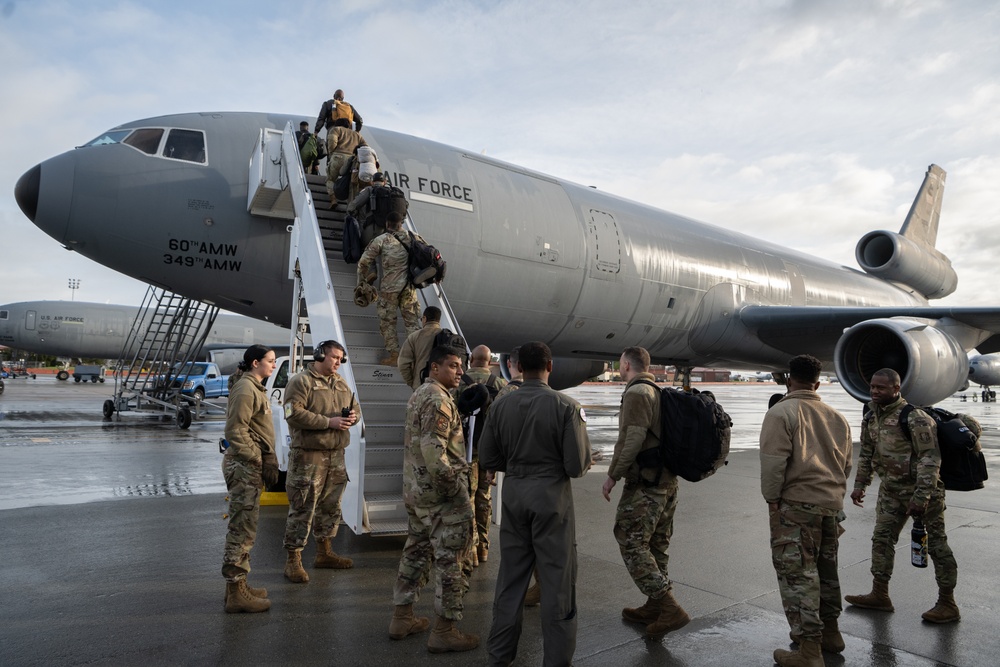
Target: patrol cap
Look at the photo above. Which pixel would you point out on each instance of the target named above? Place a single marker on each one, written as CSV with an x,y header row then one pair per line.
x,y
377,176
472,399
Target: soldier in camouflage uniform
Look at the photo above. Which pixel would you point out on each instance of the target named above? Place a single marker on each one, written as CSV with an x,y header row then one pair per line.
x,y
317,475
644,522
436,493
395,291
805,460
249,466
479,373
908,469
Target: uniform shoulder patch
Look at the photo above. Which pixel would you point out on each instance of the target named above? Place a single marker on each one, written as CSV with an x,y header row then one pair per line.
x,y
442,423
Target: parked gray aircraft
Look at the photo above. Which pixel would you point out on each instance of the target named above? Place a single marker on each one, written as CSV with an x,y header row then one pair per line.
x,y
530,257
81,330
984,370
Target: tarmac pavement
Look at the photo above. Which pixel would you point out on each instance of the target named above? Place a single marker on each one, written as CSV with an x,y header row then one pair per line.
x,y
111,537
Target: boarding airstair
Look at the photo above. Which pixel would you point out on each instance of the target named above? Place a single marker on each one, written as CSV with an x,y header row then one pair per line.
x,y
278,188
165,339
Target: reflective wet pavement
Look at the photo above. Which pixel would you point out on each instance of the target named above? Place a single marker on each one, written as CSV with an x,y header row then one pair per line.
x,y
124,569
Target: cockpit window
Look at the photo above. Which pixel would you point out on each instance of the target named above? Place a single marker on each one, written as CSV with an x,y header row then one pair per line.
x,y
146,139
109,137
185,145
4,315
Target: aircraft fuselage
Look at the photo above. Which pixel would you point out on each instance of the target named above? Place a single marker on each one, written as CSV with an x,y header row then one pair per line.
x,y
530,257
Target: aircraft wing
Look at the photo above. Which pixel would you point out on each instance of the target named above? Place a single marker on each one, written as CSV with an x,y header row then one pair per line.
x,y
817,329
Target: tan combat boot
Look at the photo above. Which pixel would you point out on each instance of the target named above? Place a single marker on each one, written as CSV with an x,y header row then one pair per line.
x,y
877,599
326,558
239,599
808,655
483,553
404,623
945,611
670,618
832,640
534,595
646,614
293,568
390,360
446,637
256,592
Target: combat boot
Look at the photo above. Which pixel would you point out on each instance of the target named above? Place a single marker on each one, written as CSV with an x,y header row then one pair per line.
x,y
326,558
390,360
945,611
483,553
808,655
646,614
293,568
877,599
446,637
404,623
239,599
832,641
256,592
671,617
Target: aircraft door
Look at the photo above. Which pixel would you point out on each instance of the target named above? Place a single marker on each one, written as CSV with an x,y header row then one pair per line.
x,y
606,242
29,320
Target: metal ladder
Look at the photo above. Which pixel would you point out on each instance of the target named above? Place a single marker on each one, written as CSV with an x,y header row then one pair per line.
x,y
373,500
166,336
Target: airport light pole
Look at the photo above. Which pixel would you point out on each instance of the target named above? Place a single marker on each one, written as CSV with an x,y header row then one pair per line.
x,y
74,285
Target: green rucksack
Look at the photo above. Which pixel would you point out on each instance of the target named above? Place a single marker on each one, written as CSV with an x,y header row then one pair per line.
x,y
310,150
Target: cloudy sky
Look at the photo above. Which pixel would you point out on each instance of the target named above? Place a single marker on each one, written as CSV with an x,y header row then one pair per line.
x,y
807,123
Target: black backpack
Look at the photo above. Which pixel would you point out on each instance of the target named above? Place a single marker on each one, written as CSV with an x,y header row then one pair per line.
x,y
447,338
352,247
963,466
694,435
426,266
386,199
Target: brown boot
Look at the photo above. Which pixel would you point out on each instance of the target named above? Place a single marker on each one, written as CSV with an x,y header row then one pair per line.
x,y
293,568
832,641
404,623
808,655
390,360
877,599
326,558
671,617
945,611
256,592
238,599
483,553
646,614
446,637
534,595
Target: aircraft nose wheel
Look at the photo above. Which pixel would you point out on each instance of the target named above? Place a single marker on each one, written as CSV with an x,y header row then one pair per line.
x,y
183,418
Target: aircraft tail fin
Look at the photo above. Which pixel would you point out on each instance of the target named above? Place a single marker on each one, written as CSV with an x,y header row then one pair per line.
x,y
921,224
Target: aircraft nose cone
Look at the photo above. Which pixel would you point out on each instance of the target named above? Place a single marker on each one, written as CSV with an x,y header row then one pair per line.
x,y
26,191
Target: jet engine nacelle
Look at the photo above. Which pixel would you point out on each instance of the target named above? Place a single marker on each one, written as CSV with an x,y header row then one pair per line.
x,y
894,257
931,364
567,372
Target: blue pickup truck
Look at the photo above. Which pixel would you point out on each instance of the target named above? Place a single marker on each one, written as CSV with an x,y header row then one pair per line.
x,y
201,380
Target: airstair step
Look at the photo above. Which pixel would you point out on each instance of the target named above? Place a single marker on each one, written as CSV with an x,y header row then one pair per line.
x,y
384,411
384,455
384,392
368,372
389,526
383,434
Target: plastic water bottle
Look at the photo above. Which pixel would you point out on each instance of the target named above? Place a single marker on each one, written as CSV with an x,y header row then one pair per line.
x,y
918,544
